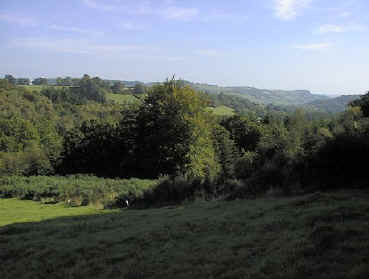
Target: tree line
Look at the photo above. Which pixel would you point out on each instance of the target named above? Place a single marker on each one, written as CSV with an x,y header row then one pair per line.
x,y
171,133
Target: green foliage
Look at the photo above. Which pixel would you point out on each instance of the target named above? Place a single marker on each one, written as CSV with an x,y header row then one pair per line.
x,y
4,84
139,88
40,81
118,87
228,104
340,163
31,123
226,152
174,132
17,134
81,190
222,110
246,165
363,103
93,148
10,79
244,131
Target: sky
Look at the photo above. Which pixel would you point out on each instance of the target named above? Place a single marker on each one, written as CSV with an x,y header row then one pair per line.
x,y
318,45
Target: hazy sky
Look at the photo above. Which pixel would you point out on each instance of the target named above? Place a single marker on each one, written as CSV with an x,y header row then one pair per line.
x,y
320,45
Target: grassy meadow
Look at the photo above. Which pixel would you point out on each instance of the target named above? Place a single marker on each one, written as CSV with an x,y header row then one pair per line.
x,y
38,88
122,98
22,211
222,111
321,235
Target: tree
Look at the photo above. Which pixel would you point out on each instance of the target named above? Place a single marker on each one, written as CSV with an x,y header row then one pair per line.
x,y
363,103
92,148
173,133
23,81
226,152
118,87
91,89
139,88
4,84
40,81
245,132
10,79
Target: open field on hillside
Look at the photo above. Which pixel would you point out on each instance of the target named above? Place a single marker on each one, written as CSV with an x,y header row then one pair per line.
x,y
222,111
122,98
29,211
38,88
313,236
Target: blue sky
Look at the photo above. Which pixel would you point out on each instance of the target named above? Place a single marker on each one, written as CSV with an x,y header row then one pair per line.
x,y
319,45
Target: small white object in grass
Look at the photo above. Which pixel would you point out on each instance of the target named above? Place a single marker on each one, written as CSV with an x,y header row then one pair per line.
x,y
69,201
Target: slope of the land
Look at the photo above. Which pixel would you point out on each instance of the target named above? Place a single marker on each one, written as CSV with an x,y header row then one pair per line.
x,y
123,98
263,96
222,111
334,105
312,236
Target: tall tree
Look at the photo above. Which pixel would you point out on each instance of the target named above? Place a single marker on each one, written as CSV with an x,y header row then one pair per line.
x,y
363,103
139,88
174,133
10,79
40,81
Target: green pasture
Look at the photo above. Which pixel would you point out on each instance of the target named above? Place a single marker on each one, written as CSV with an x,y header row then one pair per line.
x,y
321,235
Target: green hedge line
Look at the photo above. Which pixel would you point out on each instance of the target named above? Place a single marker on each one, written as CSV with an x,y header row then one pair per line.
x,y
75,190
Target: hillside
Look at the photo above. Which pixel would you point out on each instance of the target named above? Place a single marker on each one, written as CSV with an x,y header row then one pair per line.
x,y
248,99
334,105
263,96
312,236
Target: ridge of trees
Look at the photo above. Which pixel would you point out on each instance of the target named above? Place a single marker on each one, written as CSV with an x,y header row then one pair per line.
x,y
170,132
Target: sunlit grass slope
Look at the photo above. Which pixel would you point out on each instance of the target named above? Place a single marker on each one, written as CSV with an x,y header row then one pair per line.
x,y
312,236
222,111
122,98
20,211
38,88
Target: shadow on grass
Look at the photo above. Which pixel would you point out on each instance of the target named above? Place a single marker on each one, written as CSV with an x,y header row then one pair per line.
x,y
316,236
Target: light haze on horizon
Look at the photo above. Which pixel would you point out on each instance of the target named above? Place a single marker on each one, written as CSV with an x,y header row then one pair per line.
x,y
318,45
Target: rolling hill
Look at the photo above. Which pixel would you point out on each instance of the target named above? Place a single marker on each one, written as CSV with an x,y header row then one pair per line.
x,y
333,105
263,96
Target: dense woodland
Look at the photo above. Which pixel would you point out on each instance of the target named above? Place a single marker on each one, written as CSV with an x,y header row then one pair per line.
x,y
170,134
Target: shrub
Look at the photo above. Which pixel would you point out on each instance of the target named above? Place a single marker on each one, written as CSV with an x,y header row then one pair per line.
x,y
80,190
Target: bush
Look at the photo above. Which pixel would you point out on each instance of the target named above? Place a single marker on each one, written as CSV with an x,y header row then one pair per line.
x,y
339,164
246,165
79,189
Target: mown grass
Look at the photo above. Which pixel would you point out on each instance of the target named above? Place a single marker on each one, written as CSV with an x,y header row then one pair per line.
x,y
312,236
20,211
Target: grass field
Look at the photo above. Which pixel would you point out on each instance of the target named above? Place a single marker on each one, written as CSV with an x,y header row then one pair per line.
x,y
122,98
21,211
37,88
222,111
312,236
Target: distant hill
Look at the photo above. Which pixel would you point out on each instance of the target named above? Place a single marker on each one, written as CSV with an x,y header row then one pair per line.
x,y
244,98
263,96
333,105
